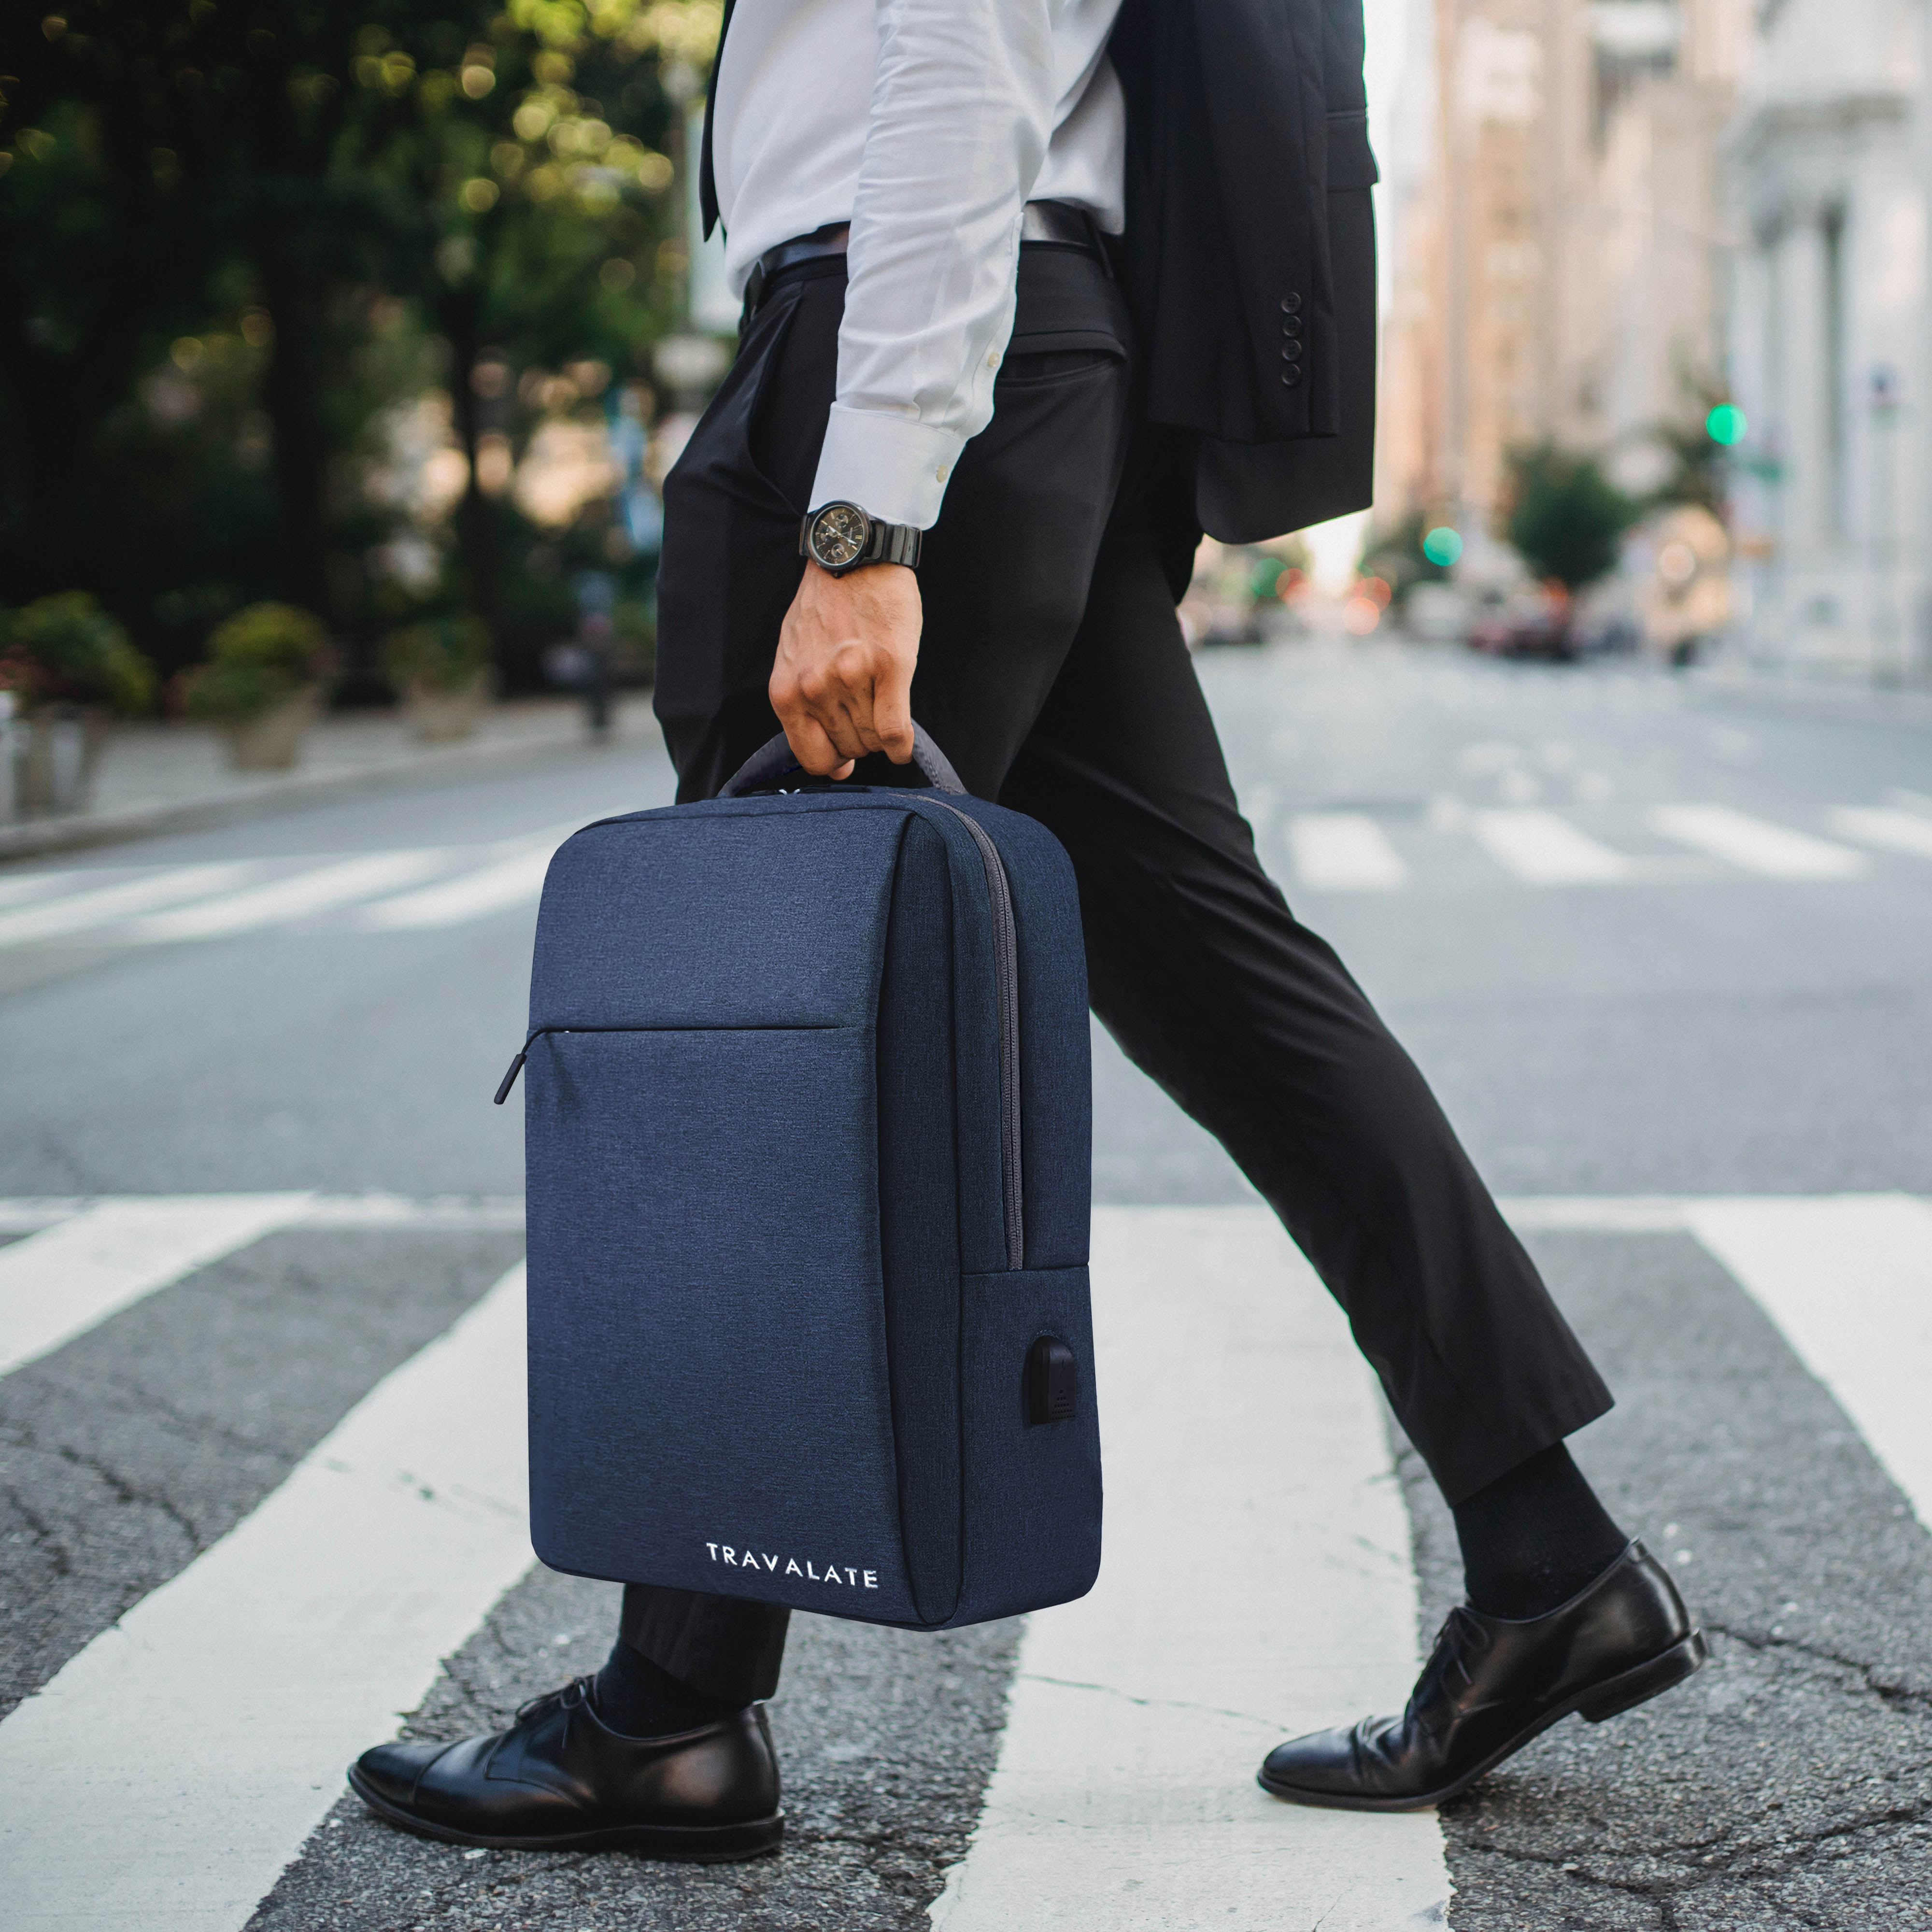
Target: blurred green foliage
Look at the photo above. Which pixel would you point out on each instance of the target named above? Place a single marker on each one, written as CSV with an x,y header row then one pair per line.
x,y
264,655
240,238
442,654
1565,517
66,649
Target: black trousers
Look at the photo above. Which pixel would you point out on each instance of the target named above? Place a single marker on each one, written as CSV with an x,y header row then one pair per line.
x,y
1052,672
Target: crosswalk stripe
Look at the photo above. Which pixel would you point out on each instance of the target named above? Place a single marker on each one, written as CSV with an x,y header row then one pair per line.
x,y
24,886
1136,1715
169,1772
1545,850
1265,1594
1343,852
511,881
322,889
1594,1213
1756,844
1899,831
58,1283
1849,1281
29,1214
82,912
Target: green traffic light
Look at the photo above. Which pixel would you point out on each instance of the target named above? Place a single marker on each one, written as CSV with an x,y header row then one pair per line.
x,y
1726,425
1442,546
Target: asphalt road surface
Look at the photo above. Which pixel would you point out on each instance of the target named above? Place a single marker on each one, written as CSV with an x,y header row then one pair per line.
x,y
1666,954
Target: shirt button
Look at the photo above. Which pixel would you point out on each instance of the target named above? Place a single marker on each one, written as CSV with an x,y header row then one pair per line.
x,y
1290,304
993,360
939,476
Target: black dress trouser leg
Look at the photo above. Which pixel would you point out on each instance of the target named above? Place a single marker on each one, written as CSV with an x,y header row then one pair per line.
x,y
1053,673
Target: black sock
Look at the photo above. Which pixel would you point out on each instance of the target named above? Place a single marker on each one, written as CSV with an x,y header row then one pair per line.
x,y
1534,1537
638,1699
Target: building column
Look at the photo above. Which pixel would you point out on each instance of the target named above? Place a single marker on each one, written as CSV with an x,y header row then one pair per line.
x,y
1801,355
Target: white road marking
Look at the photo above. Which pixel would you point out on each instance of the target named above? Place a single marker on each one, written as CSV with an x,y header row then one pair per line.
x,y
58,1284
1344,852
1545,850
511,881
1755,843
1899,831
1122,1797
24,885
1594,1214
401,1210
1849,1280
82,912
299,896
163,1779
1257,1584
29,1214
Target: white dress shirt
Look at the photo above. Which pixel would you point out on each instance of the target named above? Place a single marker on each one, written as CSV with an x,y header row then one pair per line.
x,y
927,124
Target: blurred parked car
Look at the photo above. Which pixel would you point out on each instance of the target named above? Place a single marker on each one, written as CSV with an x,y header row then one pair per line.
x,y
1533,621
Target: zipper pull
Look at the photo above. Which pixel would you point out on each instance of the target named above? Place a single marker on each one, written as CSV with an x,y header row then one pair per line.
x,y
510,1078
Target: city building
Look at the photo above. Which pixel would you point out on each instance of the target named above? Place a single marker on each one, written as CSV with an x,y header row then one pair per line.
x,y
1829,165
1554,212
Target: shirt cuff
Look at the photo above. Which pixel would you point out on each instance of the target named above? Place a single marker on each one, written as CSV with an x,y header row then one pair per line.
x,y
896,470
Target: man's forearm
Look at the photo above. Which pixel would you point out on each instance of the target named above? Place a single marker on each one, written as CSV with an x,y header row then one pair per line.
x,y
962,108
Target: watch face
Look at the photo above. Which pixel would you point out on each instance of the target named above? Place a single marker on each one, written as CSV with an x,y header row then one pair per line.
x,y
838,535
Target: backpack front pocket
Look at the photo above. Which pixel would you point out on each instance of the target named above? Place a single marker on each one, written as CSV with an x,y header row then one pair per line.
x,y
709,1401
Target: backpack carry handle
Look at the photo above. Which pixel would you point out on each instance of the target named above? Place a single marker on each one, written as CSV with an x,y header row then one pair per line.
x,y
771,761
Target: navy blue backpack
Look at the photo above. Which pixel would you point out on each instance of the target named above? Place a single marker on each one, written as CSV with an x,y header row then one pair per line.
x,y
808,1121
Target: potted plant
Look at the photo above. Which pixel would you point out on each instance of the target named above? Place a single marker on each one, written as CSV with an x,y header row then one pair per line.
x,y
66,668
263,683
441,668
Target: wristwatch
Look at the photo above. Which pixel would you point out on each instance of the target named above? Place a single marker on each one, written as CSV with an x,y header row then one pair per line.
x,y
840,537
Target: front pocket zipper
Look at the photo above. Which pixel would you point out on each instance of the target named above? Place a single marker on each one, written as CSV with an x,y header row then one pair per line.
x,y
509,1079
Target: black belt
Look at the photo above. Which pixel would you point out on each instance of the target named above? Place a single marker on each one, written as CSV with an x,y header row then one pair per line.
x,y
1056,221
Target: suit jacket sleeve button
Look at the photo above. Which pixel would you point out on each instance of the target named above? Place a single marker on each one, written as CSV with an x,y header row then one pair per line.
x,y
1290,304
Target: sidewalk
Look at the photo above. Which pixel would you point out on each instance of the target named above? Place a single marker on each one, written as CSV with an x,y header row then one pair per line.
x,y
168,778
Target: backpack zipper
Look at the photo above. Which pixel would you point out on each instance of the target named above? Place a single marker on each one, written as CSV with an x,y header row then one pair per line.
x,y
1006,978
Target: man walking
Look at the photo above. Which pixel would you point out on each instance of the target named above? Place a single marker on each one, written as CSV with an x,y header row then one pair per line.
x,y
1034,289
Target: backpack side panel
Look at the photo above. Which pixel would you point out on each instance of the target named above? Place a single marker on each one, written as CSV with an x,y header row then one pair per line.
x,y
1031,1491
1056,1049
976,1042
919,1213
1032,1494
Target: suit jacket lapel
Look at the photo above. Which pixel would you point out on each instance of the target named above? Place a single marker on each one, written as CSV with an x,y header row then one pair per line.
x,y
707,181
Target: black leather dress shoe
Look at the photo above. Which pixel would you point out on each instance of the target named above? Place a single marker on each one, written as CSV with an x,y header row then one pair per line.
x,y
1491,1685
559,1780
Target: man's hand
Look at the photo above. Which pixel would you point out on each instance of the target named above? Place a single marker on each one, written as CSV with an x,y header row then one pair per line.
x,y
842,684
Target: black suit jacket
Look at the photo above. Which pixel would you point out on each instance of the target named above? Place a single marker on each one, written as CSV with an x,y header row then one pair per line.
x,y
1250,254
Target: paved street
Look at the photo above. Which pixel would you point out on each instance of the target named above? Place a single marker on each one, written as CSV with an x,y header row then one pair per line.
x,y
1666,953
